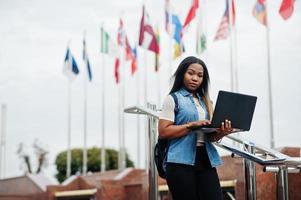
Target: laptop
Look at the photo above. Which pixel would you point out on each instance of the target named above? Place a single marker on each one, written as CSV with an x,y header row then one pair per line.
x,y
236,107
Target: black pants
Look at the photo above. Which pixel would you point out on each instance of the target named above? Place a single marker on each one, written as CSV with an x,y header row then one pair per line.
x,y
199,182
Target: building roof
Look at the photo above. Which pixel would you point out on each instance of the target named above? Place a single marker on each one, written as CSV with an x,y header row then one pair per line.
x,y
23,185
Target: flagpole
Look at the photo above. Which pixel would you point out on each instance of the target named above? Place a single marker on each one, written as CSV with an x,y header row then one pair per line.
x,y
234,47
121,157
3,141
170,42
138,77
145,104
157,60
103,150
69,131
231,46
85,128
272,139
122,71
204,25
85,115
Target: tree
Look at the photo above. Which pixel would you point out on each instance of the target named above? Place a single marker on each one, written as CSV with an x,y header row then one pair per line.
x,y
93,163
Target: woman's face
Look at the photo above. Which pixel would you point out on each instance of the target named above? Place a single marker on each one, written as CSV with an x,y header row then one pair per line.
x,y
193,77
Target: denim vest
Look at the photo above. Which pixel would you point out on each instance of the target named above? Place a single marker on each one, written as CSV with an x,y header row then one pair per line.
x,y
183,149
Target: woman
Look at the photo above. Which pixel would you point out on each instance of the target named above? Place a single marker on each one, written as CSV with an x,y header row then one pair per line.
x,y
191,158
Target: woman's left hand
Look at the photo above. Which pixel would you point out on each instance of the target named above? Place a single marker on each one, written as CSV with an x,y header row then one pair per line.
x,y
225,129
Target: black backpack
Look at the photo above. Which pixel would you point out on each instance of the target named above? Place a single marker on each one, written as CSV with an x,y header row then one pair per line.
x,y
161,147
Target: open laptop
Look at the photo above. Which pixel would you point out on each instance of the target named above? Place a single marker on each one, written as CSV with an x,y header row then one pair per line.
x,y
236,107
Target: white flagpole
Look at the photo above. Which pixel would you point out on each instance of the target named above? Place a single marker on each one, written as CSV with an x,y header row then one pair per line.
x,y
170,40
122,75
3,141
272,139
233,53
85,120
157,59
85,129
119,119
231,46
103,150
145,104
69,131
138,76
121,157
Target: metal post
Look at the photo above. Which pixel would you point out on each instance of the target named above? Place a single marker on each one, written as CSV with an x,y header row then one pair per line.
x,y
3,140
282,183
151,137
250,175
152,173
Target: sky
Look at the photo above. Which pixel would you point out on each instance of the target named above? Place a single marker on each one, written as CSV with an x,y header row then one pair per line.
x,y
33,40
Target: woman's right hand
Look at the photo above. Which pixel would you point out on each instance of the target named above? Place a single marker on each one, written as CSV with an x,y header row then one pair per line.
x,y
196,124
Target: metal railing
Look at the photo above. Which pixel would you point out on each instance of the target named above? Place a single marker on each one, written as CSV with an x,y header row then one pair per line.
x,y
272,160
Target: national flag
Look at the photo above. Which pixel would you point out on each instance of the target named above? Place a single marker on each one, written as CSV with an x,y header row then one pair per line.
x,y
174,28
286,9
177,36
134,60
178,49
168,17
130,53
201,40
224,26
147,37
106,44
191,13
260,12
201,43
116,71
70,68
86,60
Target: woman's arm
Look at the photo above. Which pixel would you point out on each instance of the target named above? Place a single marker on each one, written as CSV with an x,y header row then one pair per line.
x,y
167,129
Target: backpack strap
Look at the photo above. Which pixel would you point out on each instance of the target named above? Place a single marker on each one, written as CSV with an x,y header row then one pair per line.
x,y
175,98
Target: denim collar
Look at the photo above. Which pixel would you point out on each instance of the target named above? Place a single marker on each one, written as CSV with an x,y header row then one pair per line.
x,y
185,93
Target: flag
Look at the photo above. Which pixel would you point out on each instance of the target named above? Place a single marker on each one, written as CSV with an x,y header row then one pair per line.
x,y
260,12
134,60
86,60
106,44
286,9
70,68
167,17
201,43
177,36
116,71
201,40
191,13
174,28
147,37
178,49
224,26
130,53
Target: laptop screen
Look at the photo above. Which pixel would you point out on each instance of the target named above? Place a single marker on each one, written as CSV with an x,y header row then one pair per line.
x,y
239,108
